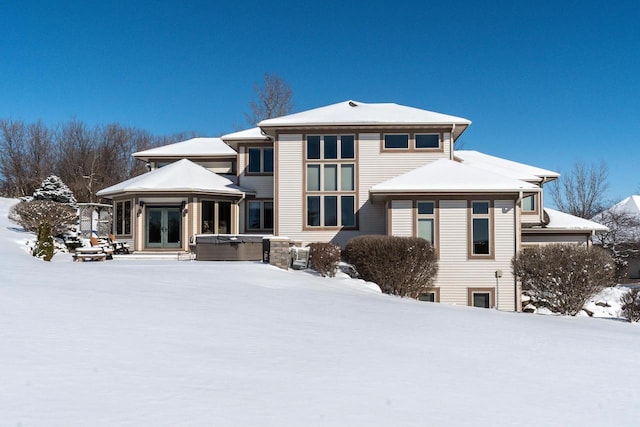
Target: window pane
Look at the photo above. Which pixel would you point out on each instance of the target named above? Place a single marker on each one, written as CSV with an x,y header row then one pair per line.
x,y
224,217
427,296
347,211
330,147
268,214
268,160
425,229
347,147
313,147
396,141
480,208
425,208
254,160
481,236
529,204
119,214
481,299
253,221
346,178
427,141
207,217
313,177
127,217
330,177
330,211
313,211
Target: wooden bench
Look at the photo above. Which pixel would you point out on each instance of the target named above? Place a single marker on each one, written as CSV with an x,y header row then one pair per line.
x,y
93,253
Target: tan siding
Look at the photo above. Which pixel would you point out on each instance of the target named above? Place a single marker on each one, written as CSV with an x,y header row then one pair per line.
x,y
261,184
456,272
290,206
402,218
382,166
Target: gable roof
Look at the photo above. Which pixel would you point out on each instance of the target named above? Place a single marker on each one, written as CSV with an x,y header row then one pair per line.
x,y
356,113
505,167
180,176
449,176
194,147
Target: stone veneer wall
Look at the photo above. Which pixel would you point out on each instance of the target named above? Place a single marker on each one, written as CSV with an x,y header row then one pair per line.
x,y
279,254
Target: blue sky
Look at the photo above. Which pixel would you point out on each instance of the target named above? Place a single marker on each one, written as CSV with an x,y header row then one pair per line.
x,y
546,83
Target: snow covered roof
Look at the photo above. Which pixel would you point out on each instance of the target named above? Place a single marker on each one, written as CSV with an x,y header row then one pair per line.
x,y
564,221
195,147
630,205
182,176
505,167
247,134
356,113
446,175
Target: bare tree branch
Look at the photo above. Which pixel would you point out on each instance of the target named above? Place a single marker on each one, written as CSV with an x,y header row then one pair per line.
x,y
274,99
581,192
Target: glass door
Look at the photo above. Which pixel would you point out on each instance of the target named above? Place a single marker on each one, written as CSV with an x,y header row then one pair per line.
x,y
164,227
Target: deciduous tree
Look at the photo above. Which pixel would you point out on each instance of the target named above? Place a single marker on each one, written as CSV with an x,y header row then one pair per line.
x,y
274,98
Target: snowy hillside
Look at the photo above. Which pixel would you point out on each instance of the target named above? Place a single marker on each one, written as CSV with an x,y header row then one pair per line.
x,y
180,343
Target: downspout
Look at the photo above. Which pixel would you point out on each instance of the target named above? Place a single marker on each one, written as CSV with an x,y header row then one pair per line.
x,y
516,230
453,129
238,211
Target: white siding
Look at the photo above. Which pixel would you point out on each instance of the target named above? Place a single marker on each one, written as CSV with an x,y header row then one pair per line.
x,y
402,218
457,273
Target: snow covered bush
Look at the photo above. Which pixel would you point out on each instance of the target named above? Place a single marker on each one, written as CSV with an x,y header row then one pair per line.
x,y
404,266
30,215
52,188
44,245
324,258
631,305
562,277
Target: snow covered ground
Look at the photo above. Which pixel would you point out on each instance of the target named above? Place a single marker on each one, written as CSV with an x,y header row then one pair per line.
x,y
187,343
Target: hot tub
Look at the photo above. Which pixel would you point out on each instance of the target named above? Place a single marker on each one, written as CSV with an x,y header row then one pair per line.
x,y
228,247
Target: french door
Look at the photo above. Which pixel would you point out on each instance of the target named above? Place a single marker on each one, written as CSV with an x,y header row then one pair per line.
x,y
164,227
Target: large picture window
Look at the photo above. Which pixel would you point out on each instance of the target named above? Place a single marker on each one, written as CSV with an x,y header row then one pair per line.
x,y
330,181
260,160
123,217
481,231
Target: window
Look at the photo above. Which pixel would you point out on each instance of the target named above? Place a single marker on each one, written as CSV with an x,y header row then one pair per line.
x,y
396,141
427,296
430,140
480,228
529,204
123,217
260,215
260,160
216,217
481,297
330,181
426,221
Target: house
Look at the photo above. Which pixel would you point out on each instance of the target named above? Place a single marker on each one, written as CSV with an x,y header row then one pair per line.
x,y
623,237
349,169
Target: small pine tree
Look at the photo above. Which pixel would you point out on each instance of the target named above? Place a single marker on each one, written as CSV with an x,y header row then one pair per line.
x,y
44,245
52,188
